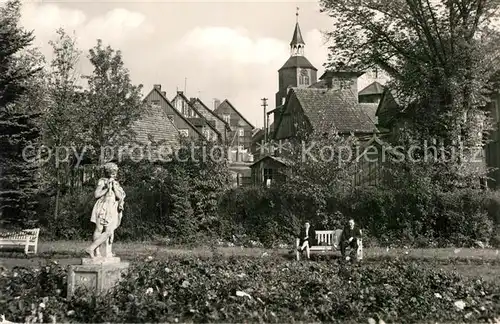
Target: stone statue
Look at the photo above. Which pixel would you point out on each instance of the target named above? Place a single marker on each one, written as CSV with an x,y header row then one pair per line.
x,y
107,212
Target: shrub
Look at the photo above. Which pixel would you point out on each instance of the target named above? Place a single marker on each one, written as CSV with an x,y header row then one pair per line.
x,y
463,218
413,216
174,199
73,222
246,289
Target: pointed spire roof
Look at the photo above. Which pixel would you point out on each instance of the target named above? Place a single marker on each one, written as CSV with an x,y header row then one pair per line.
x,y
297,36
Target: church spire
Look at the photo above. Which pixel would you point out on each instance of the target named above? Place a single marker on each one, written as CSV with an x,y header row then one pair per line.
x,y
297,44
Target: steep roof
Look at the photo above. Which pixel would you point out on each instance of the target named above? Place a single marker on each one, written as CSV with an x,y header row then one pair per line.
x,y
226,103
371,89
154,125
178,113
198,104
328,74
197,121
370,109
256,131
281,160
297,61
297,36
258,136
328,109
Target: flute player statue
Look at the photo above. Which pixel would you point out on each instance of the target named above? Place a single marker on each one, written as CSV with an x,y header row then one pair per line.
x,y
107,212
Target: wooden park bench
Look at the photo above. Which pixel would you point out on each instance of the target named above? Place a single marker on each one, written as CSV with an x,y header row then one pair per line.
x,y
328,240
27,238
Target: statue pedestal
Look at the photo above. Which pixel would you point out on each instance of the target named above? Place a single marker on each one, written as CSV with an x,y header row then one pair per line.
x,y
96,274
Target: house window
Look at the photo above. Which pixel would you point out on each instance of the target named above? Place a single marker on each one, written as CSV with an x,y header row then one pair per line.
x,y
304,77
304,80
226,118
241,132
268,176
184,132
206,133
185,109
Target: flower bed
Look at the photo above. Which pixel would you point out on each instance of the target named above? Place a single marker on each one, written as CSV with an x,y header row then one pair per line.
x,y
237,289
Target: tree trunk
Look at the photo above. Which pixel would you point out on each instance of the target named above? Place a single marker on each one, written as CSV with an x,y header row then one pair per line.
x,y
58,194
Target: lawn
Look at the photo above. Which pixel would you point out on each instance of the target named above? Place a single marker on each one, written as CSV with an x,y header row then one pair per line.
x,y
237,284
471,262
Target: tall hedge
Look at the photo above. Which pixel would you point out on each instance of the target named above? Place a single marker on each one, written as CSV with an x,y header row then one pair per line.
x,y
388,217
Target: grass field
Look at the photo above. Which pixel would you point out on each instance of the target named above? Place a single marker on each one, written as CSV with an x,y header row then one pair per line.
x,y
64,249
234,284
470,262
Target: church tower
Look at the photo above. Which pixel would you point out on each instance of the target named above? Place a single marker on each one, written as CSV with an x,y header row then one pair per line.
x,y
297,71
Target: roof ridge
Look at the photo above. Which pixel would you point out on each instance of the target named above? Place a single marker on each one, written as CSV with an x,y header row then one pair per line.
x,y
231,105
197,112
321,107
212,112
178,112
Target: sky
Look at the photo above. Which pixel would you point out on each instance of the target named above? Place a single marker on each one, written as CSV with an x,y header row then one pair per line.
x,y
226,50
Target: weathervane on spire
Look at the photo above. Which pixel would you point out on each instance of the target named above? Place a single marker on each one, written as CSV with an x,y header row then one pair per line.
x,y
297,14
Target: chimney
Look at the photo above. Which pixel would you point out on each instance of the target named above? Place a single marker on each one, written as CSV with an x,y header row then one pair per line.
x,y
216,103
157,86
192,100
342,79
164,93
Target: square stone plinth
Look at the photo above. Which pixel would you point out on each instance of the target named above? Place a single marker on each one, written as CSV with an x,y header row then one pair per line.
x,y
101,260
95,275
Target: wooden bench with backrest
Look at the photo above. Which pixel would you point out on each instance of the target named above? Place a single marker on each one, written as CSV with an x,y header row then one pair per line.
x,y
328,240
27,238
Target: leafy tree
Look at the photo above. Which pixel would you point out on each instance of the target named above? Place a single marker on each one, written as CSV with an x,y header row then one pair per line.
x,y
18,128
322,164
63,114
209,177
61,118
112,102
441,55
181,223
